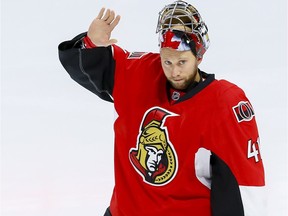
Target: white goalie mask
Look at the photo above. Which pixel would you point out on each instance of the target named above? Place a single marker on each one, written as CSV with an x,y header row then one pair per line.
x,y
182,16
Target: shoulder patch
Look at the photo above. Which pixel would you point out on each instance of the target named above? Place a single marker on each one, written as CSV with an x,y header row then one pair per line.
x,y
243,111
136,55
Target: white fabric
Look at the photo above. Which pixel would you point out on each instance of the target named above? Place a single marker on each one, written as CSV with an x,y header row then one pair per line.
x,y
254,200
202,166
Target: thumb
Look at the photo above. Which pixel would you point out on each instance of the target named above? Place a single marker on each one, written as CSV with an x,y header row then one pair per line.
x,y
112,41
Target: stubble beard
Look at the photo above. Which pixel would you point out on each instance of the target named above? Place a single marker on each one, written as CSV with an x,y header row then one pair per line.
x,y
184,83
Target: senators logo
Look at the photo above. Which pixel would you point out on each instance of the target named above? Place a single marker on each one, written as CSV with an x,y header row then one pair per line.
x,y
243,111
154,158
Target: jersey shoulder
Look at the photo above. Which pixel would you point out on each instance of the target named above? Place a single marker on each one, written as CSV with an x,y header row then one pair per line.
x,y
229,92
119,52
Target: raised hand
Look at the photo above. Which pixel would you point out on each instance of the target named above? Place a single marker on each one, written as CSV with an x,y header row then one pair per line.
x,y
101,27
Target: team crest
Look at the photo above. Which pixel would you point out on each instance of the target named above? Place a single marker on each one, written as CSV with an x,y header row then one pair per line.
x,y
243,111
154,158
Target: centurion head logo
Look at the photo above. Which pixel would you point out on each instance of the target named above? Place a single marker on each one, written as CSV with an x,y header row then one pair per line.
x,y
154,158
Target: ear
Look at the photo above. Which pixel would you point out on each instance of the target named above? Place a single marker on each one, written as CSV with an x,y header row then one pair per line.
x,y
199,60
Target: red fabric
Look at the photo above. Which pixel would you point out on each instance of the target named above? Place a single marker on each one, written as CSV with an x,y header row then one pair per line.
x,y
206,120
88,43
157,115
169,42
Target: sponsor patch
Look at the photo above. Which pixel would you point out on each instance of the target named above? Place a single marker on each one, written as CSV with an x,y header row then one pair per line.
x,y
243,111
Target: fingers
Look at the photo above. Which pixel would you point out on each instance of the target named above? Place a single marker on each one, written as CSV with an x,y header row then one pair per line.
x,y
111,17
108,17
115,22
99,16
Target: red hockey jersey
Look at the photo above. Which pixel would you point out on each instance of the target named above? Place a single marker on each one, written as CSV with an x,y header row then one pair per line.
x,y
215,118
199,156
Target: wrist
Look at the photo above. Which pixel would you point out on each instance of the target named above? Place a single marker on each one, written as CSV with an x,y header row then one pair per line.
x,y
87,43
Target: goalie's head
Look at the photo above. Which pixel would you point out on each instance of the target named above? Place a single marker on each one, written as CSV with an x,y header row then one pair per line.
x,y
180,22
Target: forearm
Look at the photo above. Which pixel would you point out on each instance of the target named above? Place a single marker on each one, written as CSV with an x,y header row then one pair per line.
x,y
91,68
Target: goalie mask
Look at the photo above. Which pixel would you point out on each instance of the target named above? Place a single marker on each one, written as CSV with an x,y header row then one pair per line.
x,y
181,27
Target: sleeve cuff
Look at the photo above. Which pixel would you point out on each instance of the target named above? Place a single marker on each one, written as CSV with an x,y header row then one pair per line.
x,y
87,43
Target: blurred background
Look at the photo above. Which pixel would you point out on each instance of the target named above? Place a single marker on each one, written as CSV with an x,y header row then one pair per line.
x,y
57,137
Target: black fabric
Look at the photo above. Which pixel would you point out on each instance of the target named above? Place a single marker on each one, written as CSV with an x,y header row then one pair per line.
x,y
192,46
107,212
225,194
92,68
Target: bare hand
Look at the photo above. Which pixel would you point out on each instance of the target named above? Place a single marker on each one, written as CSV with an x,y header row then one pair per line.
x,y
100,29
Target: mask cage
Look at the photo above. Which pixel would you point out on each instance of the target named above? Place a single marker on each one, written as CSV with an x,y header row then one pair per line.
x,y
183,17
